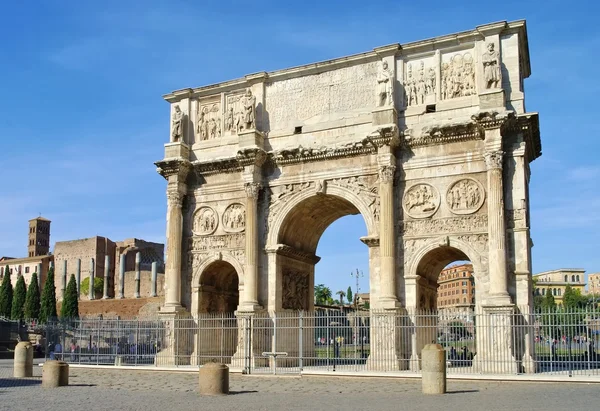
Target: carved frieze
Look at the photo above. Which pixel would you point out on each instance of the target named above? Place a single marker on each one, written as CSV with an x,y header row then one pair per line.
x,y
478,241
240,111
234,218
465,196
458,76
471,223
419,84
361,186
205,221
445,134
421,200
281,195
209,121
294,290
217,242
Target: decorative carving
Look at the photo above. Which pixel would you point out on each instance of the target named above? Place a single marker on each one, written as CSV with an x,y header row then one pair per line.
x,y
472,223
295,290
410,248
177,125
420,86
421,200
302,155
209,121
445,134
493,159
294,253
458,76
478,241
385,79
252,190
360,187
491,67
280,195
249,114
174,197
205,221
516,218
320,186
234,218
465,196
217,242
239,255
195,259
386,174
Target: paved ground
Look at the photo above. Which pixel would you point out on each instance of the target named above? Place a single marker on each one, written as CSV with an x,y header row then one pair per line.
x,y
142,390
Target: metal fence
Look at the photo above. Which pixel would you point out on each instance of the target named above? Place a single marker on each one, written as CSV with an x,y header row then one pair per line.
x,y
476,341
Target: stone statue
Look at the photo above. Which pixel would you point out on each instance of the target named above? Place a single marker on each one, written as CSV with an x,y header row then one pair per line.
x,y
230,120
491,67
203,124
248,104
177,125
385,86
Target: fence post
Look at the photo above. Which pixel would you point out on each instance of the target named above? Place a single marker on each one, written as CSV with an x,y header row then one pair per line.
x,y
273,358
301,333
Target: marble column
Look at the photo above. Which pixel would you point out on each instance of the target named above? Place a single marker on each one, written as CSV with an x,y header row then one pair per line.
x,y
387,238
122,276
174,238
78,277
250,301
106,276
496,229
138,260
39,274
92,294
154,279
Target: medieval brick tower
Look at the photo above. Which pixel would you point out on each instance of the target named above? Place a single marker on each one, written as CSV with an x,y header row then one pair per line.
x,y
39,237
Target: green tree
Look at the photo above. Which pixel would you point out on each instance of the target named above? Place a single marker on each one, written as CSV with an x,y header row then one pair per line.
x,y
18,301
322,294
548,303
349,295
32,300
70,305
48,304
6,295
342,295
572,298
98,285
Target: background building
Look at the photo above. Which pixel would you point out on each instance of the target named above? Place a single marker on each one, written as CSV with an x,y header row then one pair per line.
x,y
456,287
593,283
555,282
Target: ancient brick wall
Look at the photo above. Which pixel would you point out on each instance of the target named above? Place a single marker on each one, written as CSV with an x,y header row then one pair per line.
x,y
145,284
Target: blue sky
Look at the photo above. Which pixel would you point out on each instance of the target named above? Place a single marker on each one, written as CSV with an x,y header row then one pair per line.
x,y
83,119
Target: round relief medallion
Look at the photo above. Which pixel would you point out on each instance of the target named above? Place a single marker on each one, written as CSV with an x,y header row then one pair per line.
x,y
465,196
234,218
421,201
205,221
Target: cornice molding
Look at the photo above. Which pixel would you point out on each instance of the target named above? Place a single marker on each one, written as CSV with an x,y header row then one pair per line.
x,y
168,168
445,134
291,252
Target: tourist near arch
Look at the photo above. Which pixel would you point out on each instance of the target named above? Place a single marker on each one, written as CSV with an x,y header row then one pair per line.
x,y
428,141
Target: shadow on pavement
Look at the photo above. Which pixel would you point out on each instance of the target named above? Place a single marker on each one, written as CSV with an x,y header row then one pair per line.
x,y
461,391
242,392
19,382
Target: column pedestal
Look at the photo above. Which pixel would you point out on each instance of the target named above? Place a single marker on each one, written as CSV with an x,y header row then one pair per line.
x,y
253,339
178,341
387,348
495,348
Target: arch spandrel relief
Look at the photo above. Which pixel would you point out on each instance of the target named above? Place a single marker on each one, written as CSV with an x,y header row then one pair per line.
x,y
421,200
465,196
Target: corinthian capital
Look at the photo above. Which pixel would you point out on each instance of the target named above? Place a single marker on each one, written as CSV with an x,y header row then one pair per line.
x,y
493,159
252,190
174,197
386,173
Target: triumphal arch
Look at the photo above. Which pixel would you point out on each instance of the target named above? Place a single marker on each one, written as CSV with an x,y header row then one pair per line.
x,y
429,142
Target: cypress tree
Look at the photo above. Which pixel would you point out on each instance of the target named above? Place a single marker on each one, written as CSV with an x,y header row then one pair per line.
x,y
32,300
6,294
48,304
70,306
18,300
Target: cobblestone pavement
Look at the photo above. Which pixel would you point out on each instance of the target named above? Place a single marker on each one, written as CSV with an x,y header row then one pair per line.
x,y
93,389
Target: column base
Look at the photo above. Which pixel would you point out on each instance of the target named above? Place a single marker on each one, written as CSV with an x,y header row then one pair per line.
x,y
387,350
248,354
499,300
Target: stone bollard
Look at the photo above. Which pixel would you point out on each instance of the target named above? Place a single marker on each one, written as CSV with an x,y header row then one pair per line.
x,y
214,379
23,364
433,369
55,374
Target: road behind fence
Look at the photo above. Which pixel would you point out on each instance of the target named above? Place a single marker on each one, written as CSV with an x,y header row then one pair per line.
x,y
556,342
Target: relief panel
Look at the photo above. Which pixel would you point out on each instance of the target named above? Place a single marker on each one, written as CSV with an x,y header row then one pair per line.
x,y
208,120
420,81
465,196
421,201
234,218
205,221
295,290
458,75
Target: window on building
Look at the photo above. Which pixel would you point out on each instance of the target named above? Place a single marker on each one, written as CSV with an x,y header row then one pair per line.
x,y
573,278
464,291
559,291
554,291
577,278
566,278
464,300
464,283
26,270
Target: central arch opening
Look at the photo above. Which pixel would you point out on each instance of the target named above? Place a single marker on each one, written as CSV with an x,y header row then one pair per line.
x,y
218,291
